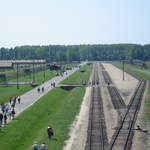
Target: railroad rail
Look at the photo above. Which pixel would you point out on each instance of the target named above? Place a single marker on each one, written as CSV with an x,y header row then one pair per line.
x,y
117,100
122,139
96,135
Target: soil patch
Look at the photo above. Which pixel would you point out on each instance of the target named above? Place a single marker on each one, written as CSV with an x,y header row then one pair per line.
x,y
127,86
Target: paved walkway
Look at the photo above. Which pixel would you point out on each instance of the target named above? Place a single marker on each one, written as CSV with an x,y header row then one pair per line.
x,y
30,97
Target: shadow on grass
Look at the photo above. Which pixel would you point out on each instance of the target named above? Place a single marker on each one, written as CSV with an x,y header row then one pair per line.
x,y
54,139
68,88
15,119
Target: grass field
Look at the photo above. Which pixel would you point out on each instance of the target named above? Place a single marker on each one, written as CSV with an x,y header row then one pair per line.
x,y
7,91
39,76
58,109
79,77
145,74
11,90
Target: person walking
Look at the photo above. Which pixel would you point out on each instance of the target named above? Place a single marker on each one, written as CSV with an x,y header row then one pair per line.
x,y
19,99
5,118
42,89
3,108
38,90
1,119
7,108
13,113
14,100
54,84
50,132
10,100
9,113
35,146
43,146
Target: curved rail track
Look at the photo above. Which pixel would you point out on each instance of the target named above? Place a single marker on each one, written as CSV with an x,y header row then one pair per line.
x,y
117,100
122,139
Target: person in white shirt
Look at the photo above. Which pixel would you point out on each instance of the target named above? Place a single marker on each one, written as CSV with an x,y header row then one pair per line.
x,y
43,146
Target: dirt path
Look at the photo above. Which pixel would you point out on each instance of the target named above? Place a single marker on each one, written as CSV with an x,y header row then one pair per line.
x,y
127,86
78,130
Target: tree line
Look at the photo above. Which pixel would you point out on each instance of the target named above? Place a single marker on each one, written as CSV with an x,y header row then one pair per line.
x,y
55,53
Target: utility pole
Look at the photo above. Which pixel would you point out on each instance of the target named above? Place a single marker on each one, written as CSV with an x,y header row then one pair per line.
x,y
17,76
123,68
33,73
44,72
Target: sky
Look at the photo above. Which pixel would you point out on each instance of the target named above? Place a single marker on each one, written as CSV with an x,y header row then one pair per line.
x,y
70,22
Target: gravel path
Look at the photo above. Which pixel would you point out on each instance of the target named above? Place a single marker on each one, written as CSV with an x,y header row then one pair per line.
x,y
127,86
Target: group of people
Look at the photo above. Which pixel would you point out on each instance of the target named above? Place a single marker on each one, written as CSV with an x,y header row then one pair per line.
x,y
43,146
7,111
53,84
40,89
62,73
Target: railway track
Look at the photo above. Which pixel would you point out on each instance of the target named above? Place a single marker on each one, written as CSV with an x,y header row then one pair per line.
x,y
122,139
96,135
117,100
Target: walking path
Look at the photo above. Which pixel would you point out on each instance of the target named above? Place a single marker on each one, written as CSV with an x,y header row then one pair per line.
x,y
30,97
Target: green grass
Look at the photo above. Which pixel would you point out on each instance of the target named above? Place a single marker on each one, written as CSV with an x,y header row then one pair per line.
x,y
11,90
145,74
58,109
39,76
137,70
79,77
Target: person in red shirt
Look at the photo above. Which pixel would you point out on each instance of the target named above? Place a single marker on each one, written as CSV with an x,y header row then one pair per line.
x,y
50,132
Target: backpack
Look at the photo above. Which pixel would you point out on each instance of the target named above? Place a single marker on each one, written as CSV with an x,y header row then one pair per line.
x,y
50,131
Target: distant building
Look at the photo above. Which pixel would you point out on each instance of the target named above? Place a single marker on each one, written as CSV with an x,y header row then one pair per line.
x,y
55,67
6,65
34,61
